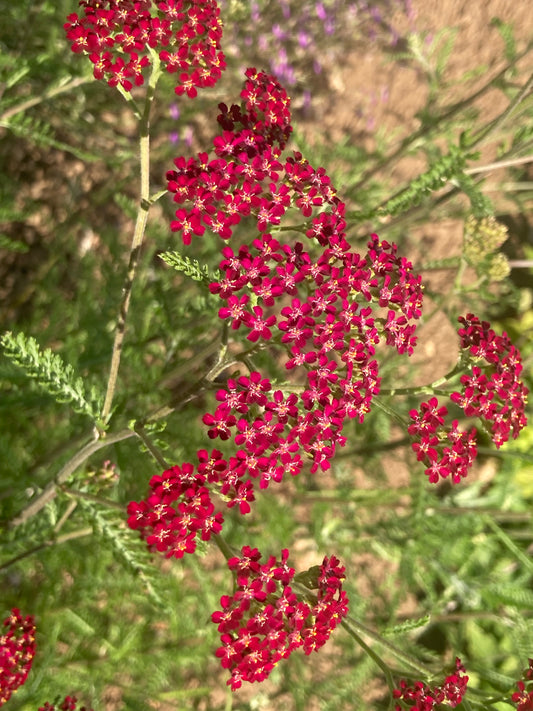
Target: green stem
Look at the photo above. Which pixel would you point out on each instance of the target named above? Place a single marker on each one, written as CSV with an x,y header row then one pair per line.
x,y
223,546
50,490
359,628
150,446
510,163
91,497
493,126
48,94
349,627
138,237
425,389
72,535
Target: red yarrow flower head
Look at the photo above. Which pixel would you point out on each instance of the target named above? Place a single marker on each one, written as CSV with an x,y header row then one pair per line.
x,y
17,650
265,620
445,450
523,698
423,697
492,390
121,36
69,703
177,512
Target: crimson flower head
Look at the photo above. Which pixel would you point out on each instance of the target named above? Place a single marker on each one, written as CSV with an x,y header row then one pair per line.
x,y
493,390
265,620
522,698
423,697
69,703
120,38
17,650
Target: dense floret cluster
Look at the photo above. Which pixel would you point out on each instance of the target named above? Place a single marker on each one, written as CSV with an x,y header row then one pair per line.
x,y
17,650
422,697
332,310
491,390
178,509
445,451
69,703
121,37
264,621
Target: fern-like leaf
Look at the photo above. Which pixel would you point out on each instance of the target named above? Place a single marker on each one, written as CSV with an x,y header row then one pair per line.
x,y
41,133
507,35
449,166
51,374
190,267
125,544
406,627
481,205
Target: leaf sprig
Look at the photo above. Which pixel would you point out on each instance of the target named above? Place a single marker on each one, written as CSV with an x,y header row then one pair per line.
x,y
52,375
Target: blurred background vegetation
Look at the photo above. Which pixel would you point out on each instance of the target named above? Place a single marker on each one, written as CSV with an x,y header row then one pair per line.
x,y
438,572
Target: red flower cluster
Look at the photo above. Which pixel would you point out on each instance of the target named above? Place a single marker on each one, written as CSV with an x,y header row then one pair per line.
x,y
17,649
176,512
120,35
226,189
493,390
522,698
69,703
441,460
264,621
328,322
426,698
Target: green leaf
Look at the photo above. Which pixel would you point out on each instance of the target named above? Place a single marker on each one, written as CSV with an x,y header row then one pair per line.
x,y
51,374
190,267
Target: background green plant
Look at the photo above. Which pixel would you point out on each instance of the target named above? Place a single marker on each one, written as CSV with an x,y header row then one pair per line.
x,y
125,630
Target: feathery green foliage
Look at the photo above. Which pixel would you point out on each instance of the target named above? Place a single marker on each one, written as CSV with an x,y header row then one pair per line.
x,y
51,374
190,267
126,546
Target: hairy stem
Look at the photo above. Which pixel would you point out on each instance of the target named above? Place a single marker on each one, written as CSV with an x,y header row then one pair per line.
x,y
138,237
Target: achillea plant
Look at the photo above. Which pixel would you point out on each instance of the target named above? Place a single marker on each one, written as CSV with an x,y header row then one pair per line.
x,y
289,285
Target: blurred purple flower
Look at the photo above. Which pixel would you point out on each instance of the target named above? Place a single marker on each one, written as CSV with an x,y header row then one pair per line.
x,y
188,135
278,32
174,137
174,111
321,11
304,39
254,12
329,25
285,9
